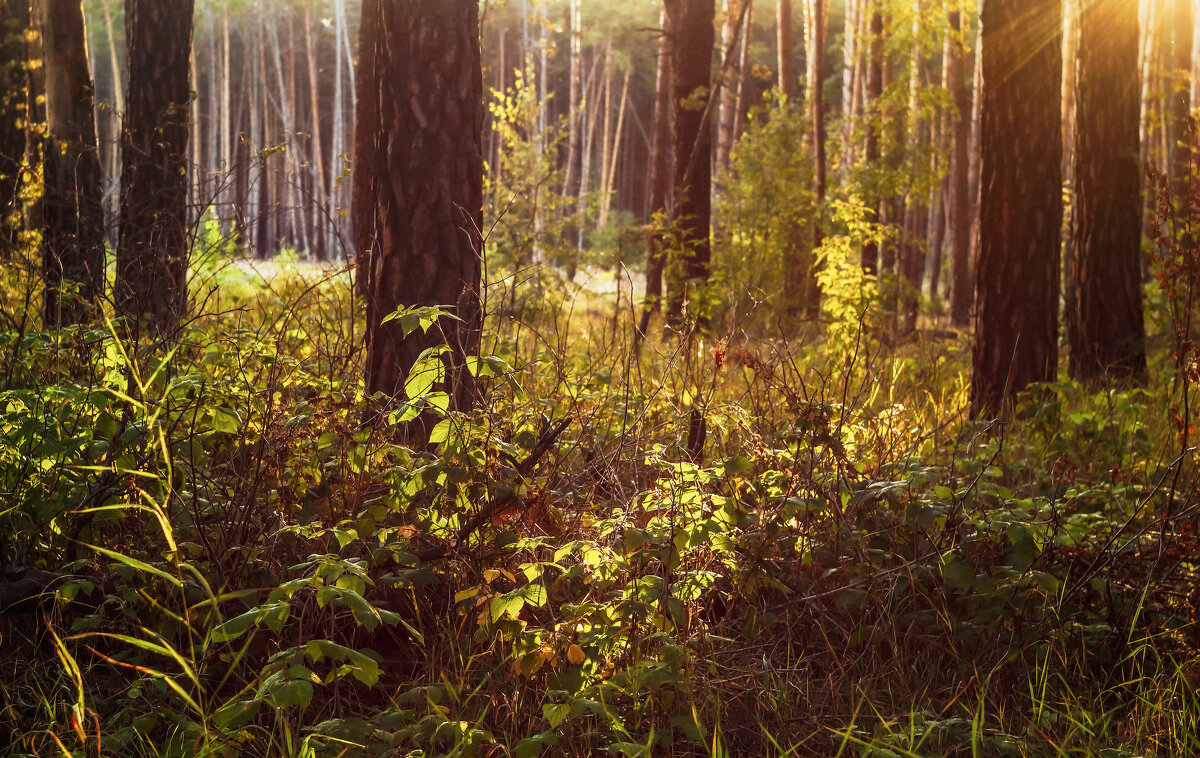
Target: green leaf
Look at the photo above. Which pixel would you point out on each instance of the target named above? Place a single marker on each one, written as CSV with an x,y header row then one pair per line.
x,y
428,370
293,687
364,613
532,747
440,432
236,627
534,594
236,714
958,574
506,605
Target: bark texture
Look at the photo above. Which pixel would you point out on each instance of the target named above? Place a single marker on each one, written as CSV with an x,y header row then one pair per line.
x,y
660,172
875,43
14,20
962,293
152,254
1016,320
418,191
1105,329
72,211
692,37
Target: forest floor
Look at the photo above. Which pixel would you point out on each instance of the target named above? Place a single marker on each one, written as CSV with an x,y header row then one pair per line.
x,y
701,546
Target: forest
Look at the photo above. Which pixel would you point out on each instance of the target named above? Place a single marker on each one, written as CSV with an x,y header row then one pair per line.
x,y
599,377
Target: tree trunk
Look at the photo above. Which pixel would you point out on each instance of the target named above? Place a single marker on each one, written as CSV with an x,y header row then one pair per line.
x,y
1105,330
72,208
731,93
316,199
744,69
783,42
660,171
575,97
606,187
419,183
816,22
1016,322
152,257
1179,92
13,23
875,53
692,38
961,285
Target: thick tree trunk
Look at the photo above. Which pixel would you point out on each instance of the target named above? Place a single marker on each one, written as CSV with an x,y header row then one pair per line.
x,y
419,183
1105,328
1016,322
152,257
692,37
72,209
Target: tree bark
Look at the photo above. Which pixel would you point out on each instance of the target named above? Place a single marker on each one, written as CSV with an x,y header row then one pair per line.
x,y
961,285
816,22
13,23
732,90
692,37
1016,322
574,97
418,204
1179,93
660,171
875,53
152,256
72,208
783,41
1105,328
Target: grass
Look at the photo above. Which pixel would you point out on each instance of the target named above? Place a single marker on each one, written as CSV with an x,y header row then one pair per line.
x,y
850,567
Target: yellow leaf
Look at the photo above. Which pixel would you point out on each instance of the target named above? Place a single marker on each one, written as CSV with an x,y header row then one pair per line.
x,y
489,575
575,654
529,663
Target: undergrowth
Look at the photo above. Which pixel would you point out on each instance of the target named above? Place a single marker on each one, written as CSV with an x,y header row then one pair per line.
x,y
703,546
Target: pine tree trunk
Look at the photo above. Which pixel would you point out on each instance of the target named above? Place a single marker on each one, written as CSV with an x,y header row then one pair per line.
x,y
692,38
1105,328
875,53
13,23
786,80
961,285
731,93
816,21
1016,322
574,104
659,182
71,208
419,183
317,198
1179,92
744,69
